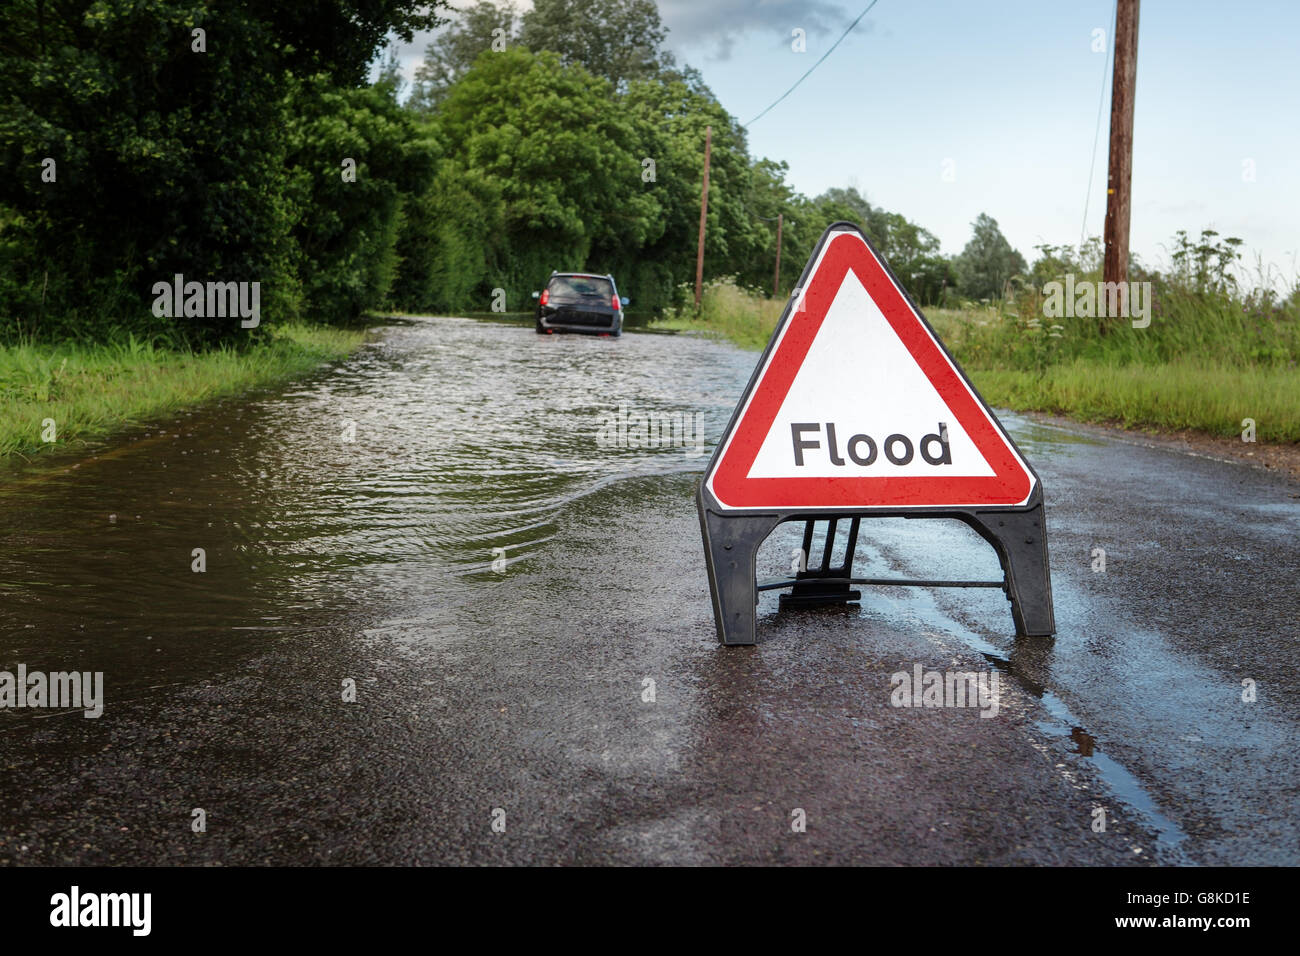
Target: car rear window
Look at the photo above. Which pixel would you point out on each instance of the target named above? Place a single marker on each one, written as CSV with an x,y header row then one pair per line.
x,y
579,287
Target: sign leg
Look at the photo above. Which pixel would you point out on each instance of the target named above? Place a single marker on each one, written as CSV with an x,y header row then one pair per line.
x,y
829,585
730,549
1020,539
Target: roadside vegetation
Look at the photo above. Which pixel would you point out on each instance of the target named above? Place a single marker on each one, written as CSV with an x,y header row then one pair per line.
x,y
1213,355
726,311
244,142
75,392
135,148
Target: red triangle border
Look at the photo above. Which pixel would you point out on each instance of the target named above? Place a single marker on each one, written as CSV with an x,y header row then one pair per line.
x,y
1010,485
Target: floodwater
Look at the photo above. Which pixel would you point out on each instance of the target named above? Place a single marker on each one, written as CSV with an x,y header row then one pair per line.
x,y
406,471
460,514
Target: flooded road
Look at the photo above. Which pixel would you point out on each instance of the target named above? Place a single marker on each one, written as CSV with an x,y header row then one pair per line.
x,y
449,523
392,477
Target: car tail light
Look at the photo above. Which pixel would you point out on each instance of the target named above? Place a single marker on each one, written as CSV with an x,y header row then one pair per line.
x,y
614,302
546,297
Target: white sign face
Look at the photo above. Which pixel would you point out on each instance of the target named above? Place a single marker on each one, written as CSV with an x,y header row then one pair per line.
x,y
857,406
859,379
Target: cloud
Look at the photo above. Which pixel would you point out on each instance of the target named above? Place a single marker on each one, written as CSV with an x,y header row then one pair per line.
x,y
720,24
411,55
708,28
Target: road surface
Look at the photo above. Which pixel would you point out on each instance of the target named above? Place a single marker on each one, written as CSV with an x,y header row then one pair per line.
x,y
572,705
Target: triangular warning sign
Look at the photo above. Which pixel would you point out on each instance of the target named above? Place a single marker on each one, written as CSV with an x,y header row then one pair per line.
x,y
856,405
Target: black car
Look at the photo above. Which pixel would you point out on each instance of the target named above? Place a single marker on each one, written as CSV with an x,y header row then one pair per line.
x,y
579,302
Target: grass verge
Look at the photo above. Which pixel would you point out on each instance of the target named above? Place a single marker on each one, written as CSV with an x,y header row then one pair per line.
x,y
1199,396
729,312
91,390
1205,365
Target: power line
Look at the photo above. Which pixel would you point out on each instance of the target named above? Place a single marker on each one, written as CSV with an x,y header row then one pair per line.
x,y
1101,101
815,65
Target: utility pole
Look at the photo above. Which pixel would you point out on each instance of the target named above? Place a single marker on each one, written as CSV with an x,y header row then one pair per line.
x,y
776,279
1123,82
704,214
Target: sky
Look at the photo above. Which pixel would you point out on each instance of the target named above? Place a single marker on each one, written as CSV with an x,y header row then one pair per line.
x,y
943,109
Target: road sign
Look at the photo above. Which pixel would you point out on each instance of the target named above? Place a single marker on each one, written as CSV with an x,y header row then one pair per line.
x,y
856,406
856,410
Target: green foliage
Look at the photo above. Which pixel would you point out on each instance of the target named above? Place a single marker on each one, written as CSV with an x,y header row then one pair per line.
x,y
170,152
620,40
347,248
1056,262
553,143
472,31
1204,266
671,114
338,37
727,310
988,262
448,243
155,175
1197,312
911,251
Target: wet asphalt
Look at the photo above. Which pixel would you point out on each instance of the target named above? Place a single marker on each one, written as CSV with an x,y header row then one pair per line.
x,y
577,709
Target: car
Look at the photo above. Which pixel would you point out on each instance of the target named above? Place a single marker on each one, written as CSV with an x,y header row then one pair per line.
x,y
580,302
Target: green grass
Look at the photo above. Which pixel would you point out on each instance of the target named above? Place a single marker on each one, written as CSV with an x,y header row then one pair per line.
x,y
1207,361
1200,396
91,390
728,312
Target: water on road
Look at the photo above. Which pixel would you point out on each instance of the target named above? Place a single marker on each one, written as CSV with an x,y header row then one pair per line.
x,y
401,474
455,521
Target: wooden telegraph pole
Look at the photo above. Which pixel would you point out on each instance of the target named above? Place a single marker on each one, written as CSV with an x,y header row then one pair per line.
x,y
1123,81
776,279
704,213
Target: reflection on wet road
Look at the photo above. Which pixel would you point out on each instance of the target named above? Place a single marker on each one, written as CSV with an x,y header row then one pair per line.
x,y
1193,595
394,475
349,525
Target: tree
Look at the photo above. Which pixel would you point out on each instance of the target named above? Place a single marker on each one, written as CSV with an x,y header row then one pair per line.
x,y
563,155
671,112
354,155
621,40
911,251
451,238
167,160
167,123
390,79
770,196
988,261
474,31
338,37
